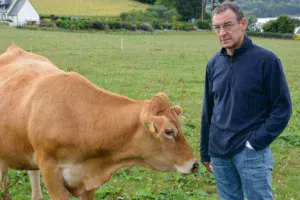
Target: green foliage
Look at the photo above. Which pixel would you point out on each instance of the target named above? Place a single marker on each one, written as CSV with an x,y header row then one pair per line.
x,y
204,24
251,21
114,24
8,20
270,8
46,22
189,9
99,25
153,14
296,37
146,27
64,24
133,27
270,35
167,3
282,24
295,21
147,1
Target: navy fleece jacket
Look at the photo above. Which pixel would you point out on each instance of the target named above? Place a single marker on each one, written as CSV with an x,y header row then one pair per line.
x,y
246,98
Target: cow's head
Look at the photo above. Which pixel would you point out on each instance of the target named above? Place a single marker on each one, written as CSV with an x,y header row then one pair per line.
x,y
163,145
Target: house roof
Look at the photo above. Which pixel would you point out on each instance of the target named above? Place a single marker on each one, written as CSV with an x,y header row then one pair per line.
x,y
16,8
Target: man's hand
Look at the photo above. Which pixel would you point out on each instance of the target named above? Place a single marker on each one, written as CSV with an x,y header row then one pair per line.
x,y
208,167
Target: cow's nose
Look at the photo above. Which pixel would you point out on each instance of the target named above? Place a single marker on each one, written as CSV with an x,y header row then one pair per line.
x,y
195,167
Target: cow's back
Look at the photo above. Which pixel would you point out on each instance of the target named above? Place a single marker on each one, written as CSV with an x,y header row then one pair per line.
x,y
19,70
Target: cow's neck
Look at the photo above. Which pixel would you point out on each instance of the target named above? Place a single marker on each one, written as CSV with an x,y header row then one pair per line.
x,y
119,149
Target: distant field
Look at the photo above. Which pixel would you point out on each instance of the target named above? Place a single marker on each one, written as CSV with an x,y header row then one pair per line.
x,y
86,7
173,63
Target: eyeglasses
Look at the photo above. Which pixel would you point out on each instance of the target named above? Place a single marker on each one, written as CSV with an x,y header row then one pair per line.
x,y
226,27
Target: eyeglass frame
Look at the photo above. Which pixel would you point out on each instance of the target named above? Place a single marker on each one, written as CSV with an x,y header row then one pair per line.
x,y
226,26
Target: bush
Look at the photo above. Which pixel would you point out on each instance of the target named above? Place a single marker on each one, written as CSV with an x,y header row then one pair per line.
x,y
98,25
270,35
146,27
87,24
203,24
133,27
46,22
58,21
114,24
296,37
167,26
8,20
53,17
77,25
64,24
156,24
126,25
282,24
106,27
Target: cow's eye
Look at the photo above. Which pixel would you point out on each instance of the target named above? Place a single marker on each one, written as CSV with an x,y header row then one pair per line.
x,y
169,133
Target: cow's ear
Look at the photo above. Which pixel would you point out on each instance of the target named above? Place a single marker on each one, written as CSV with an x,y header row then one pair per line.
x,y
177,109
156,125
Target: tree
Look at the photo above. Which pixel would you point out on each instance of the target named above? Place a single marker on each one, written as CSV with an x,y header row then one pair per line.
x,y
251,21
147,1
221,1
283,24
167,3
187,9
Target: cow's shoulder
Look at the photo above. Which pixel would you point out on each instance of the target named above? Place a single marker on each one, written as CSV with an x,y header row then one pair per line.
x,y
16,58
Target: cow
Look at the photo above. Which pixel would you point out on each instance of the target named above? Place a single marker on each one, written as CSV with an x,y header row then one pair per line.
x,y
78,134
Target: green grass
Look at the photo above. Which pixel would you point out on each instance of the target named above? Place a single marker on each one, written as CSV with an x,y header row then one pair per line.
x,y
86,7
173,63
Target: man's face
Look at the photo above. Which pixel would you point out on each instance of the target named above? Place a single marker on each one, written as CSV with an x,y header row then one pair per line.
x,y
230,32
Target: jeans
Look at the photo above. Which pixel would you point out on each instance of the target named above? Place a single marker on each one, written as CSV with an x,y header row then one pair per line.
x,y
247,173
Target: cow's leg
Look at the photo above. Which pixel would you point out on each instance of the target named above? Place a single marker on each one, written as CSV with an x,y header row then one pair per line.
x,y
4,181
88,195
53,179
36,193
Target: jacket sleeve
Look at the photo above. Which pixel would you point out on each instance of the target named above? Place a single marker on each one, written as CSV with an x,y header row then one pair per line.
x,y
276,89
208,104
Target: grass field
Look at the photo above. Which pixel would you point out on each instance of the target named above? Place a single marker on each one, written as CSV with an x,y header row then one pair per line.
x,y
173,63
86,7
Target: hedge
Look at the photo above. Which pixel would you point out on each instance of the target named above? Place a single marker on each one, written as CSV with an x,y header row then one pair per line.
x,y
270,35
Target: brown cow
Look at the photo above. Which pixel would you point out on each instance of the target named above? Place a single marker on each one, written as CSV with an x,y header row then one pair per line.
x,y
78,134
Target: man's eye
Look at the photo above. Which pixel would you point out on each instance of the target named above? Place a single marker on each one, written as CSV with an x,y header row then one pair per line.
x,y
227,25
217,27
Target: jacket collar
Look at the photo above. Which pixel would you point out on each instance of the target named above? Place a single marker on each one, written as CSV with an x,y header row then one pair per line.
x,y
245,46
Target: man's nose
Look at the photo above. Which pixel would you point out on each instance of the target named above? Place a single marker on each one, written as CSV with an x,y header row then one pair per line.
x,y
222,31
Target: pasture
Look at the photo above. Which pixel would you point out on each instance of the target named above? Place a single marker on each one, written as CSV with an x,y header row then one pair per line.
x,y
87,7
173,63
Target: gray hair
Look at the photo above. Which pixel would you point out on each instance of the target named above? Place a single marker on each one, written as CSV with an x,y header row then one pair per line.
x,y
228,5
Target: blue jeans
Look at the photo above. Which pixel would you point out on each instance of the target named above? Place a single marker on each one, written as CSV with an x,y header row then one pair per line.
x,y
247,173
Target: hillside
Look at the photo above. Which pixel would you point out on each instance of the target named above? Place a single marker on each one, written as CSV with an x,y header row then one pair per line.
x,y
270,8
86,7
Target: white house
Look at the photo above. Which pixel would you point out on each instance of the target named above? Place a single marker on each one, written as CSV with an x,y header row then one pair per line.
x,y
19,11
297,30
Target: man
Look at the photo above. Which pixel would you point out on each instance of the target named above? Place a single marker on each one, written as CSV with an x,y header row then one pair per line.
x,y
246,106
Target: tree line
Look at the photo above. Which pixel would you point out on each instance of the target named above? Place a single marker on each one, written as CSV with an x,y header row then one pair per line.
x,y
189,9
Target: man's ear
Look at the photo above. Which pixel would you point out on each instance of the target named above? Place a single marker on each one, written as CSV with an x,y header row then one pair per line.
x,y
178,110
244,23
156,125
